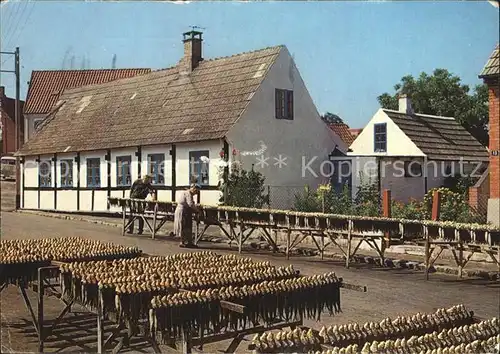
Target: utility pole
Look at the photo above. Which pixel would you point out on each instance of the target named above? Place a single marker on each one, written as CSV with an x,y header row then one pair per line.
x,y
17,113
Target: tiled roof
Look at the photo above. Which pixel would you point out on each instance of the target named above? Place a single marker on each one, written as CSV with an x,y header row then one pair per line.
x,y
46,86
162,107
355,132
440,138
343,131
492,67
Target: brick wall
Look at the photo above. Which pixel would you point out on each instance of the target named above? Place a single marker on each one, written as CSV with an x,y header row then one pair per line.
x,y
494,141
479,193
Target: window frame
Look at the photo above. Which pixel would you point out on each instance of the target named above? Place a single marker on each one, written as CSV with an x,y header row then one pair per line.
x,y
95,178
283,104
409,173
158,176
45,181
196,156
377,144
121,177
66,181
36,123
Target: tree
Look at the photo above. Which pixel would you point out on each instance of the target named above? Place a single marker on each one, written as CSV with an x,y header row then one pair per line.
x,y
443,94
331,118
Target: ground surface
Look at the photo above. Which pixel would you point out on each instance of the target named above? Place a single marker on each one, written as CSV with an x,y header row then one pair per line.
x,y
390,291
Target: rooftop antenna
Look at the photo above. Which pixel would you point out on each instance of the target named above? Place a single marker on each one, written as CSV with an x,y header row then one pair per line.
x,y
194,28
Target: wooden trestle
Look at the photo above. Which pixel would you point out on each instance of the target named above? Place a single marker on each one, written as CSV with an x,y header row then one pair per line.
x,y
49,283
345,233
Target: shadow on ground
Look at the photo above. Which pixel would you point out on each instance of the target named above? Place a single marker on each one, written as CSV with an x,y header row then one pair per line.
x,y
78,332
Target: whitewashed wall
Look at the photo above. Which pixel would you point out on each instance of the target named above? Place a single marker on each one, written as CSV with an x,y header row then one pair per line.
x,y
66,199
398,143
30,197
29,124
402,188
100,196
305,136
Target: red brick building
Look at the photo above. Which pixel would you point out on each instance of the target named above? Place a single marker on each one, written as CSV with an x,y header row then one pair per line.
x,y
8,123
491,76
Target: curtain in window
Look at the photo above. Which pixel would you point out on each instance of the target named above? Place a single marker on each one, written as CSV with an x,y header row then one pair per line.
x,y
198,167
123,174
157,168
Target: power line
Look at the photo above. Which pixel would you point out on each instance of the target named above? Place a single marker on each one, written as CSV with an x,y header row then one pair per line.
x,y
17,23
30,11
10,21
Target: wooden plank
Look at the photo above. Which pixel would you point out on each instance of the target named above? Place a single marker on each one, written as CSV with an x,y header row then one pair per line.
x,y
233,334
354,287
231,306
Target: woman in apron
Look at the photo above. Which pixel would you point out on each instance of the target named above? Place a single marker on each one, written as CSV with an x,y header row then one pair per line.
x,y
183,218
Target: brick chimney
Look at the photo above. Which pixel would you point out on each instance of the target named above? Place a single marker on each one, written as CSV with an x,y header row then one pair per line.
x,y
2,91
405,104
192,51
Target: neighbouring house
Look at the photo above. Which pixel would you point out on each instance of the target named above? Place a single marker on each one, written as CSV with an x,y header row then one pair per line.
x,y
175,124
355,131
45,87
8,123
344,132
409,153
491,76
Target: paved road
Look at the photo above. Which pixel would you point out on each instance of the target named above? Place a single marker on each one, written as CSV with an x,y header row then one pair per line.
x,y
390,292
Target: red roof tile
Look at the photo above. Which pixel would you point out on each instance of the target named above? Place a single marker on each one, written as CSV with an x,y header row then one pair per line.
x,y
47,85
343,131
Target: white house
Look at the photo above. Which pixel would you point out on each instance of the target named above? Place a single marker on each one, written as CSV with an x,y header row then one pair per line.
x,y
410,153
100,138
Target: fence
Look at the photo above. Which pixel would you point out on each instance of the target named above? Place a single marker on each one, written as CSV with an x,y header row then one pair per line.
x,y
303,199
274,197
478,195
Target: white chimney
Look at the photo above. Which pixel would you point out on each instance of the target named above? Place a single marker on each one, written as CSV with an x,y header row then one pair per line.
x,y
405,104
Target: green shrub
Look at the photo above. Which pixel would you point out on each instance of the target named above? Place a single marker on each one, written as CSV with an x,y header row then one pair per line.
x,y
367,201
454,207
244,189
307,201
413,210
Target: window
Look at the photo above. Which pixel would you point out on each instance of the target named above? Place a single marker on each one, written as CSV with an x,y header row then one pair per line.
x,y
66,173
380,131
93,172
45,173
123,177
37,123
156,168
413,169
284,104
198,167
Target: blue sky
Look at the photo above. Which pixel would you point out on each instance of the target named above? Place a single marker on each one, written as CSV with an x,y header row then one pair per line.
x,y
347,52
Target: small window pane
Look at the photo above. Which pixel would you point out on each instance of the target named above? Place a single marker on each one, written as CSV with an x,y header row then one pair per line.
x,y
156,168
66,173
45,173
93,172
199,167
123,175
